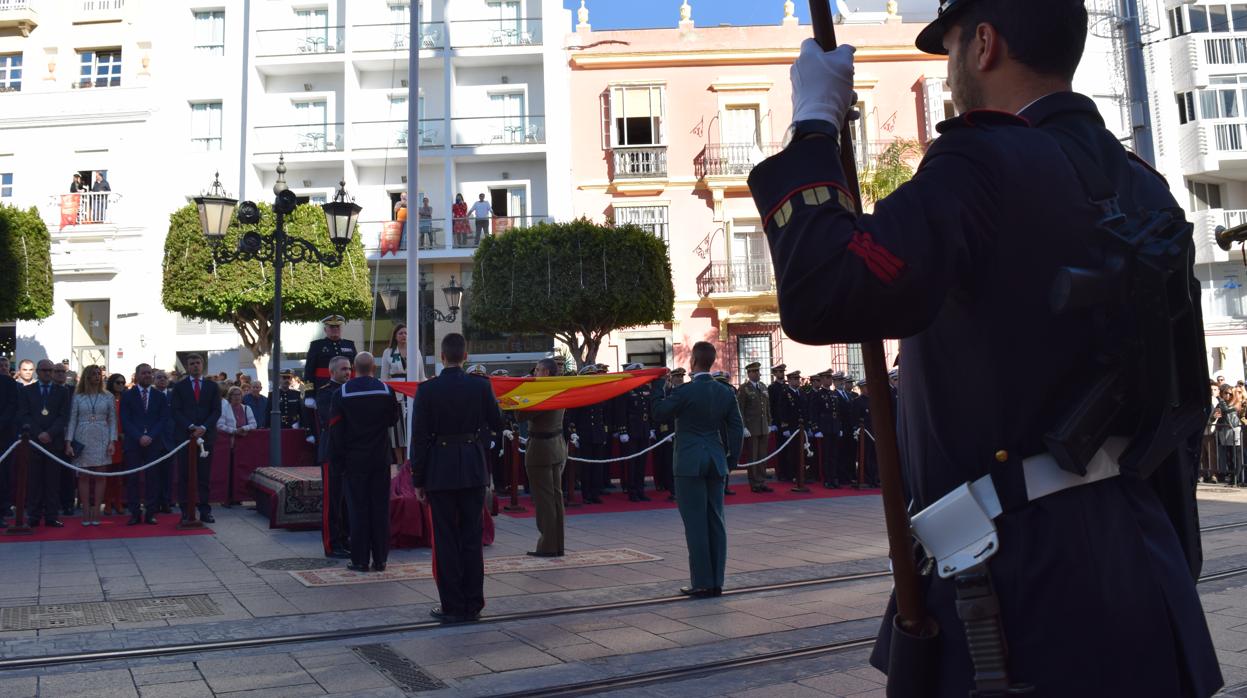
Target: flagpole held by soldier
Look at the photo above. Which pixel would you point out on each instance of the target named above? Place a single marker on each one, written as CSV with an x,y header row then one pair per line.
x,y
1060,533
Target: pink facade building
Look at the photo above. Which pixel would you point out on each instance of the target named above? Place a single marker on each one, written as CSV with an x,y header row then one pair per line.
x,y
667,125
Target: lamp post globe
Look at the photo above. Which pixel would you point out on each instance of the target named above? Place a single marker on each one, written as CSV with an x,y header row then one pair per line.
x,y
454,295
341,216
215,211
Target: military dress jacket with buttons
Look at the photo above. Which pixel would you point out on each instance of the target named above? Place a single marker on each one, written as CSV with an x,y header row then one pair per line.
x,y
290,402
1096,592
755,407
319,353
631,413
449,416
591,425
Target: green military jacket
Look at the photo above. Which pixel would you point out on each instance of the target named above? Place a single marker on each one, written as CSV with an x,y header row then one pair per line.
x,y
702,409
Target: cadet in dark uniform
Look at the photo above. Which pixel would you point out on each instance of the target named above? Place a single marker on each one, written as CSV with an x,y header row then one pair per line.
x,y
632,424
321,351
593,435
362,412
333,522
664,454
828,426
1093,575
844,448
290,401
868,467
788,419
774,392
448,469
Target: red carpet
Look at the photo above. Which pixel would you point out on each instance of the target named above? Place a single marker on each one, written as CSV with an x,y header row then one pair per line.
x,y
614,502
110,528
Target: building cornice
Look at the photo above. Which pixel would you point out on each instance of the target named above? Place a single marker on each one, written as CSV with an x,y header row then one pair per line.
x,y
95,119
716,57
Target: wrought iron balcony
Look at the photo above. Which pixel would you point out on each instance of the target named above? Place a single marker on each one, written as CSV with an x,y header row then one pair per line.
x,y
736,277
639,161
732,159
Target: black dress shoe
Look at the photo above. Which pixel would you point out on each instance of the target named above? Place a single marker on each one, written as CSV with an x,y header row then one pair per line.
x,y
536,553
729,491
207,518
357,568
378,567
698,592
340,554
135,520
444,617
53,523
150,520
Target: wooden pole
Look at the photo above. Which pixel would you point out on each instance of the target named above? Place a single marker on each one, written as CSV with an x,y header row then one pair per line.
x,y
911,611
190,517
21,461
515,505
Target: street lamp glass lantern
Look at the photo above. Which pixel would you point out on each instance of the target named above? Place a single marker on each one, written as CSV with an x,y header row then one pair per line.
x,y
454,295
215,211
341,216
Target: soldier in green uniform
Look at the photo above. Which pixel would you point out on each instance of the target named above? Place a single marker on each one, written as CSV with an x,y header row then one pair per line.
x,y
755,410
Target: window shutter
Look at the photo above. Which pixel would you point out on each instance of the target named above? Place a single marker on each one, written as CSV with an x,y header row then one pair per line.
x,y
604,105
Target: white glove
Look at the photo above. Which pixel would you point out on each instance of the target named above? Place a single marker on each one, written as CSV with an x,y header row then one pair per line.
x,y
822,83
747,434
295,425
492,445
841,434
311,439
774,428
787,434
818,434
576,440
623,438
310,403
508,434
652,436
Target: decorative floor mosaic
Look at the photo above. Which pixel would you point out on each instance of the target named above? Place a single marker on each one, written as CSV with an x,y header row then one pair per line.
x,y
334,576
72,615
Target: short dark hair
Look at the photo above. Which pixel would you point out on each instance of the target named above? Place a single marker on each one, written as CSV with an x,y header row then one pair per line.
x,y
1047,37
550,365
704,355
194,357
454,348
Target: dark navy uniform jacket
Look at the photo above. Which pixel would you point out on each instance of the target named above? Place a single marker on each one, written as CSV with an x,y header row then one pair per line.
x,y
449,417
8,411
361,413
319,353
1096,593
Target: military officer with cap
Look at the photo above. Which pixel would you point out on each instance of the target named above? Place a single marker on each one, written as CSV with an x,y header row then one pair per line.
x,y
868,465
290,401
755,410
843,447
593,435
788,418
1091,577
321,351
665,453
828,425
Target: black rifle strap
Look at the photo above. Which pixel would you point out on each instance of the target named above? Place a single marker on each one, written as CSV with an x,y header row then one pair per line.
x,y
979,611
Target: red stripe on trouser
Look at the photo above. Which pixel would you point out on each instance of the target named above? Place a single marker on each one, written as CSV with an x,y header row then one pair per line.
x,y
324,507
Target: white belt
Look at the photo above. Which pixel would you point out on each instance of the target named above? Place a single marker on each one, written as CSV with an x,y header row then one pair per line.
x,y
957,530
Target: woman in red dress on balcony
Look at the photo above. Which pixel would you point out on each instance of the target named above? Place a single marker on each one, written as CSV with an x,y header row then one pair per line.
x,y
459,211
114,487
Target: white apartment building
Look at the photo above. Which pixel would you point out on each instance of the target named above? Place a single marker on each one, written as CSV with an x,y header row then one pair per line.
x,y
1197,75
159,95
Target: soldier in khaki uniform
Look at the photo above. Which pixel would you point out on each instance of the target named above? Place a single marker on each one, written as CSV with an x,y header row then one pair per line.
x,y
545,458
755,409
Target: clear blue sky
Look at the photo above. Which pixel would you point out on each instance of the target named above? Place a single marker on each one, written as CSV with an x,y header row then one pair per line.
x,y
638,14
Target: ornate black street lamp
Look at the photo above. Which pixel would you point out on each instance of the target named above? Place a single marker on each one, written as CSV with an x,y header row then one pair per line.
x,y
454,296
278,249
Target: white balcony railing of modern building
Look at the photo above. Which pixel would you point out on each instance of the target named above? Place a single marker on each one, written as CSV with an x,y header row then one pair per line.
x,y
466,131
367,38
298,138
498,130
392,133
433,234
1213,145
301,41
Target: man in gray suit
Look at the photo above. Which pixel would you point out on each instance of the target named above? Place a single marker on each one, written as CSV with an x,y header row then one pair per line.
x,y
703,409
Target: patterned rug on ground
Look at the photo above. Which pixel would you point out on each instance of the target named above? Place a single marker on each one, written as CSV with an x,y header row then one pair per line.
x,y
334,576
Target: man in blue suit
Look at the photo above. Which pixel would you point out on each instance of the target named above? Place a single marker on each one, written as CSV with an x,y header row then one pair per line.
x,y
703,409
196,407
144,419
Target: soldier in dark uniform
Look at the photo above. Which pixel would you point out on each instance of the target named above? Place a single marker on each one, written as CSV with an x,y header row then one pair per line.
x,y
499,466
828,425
843,447
362,412
448,469
726,379
775,391
1091,577
868,467
593,435
334,528
664,455
632,424
321,351
788,418
290,401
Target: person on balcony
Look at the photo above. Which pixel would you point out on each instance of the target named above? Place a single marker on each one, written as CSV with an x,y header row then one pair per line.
x,y
426,222
459,211
99,206
481,211
77,186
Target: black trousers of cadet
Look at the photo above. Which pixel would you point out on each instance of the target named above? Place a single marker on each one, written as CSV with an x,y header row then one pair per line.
x,y
593,475
368,508
333,516
458,554
633,475
846,459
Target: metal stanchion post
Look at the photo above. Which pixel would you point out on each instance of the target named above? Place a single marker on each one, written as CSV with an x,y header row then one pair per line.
x,y
515,506
861,459
21,461
190,516
801,463
570,470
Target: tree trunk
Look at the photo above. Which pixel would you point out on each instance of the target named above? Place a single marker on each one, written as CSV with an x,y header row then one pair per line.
x,y
255,332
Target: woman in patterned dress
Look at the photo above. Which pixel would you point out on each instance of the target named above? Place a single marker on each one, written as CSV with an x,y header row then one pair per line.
x,y
459,211
93,425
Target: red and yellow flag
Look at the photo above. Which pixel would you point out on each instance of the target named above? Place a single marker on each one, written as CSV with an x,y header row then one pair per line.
x,y
561,392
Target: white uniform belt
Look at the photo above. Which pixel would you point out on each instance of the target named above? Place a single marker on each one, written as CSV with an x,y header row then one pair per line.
x,y
957,530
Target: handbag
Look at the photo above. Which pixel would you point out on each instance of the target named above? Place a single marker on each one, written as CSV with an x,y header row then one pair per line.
x,y
78,447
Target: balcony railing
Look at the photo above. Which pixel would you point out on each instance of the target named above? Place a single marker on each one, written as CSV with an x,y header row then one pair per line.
x,y
102,5
498,130
376,135
1225,51
1228,137
639,161
307,138
442,233
393,37
13,5
301,41
87,208
732,159
736,277
478,33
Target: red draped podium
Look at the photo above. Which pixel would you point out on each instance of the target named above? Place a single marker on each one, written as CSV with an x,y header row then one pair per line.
x,y
249,453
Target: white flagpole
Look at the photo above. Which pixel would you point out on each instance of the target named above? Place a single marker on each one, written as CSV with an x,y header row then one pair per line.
x,y
415,362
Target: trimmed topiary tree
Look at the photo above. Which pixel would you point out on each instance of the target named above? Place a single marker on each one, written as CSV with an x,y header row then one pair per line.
x,y
26,258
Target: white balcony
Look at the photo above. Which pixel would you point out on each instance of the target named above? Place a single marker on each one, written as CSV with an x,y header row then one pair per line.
x,y
1214,145
90,11
18,14
1205,223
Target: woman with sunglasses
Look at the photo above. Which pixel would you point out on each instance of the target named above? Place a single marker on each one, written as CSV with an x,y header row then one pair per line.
x,y
93,428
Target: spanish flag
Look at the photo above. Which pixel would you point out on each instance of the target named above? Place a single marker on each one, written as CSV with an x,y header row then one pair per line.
x,y
561,392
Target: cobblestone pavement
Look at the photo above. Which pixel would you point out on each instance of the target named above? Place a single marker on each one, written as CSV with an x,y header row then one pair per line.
x,y
769,543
